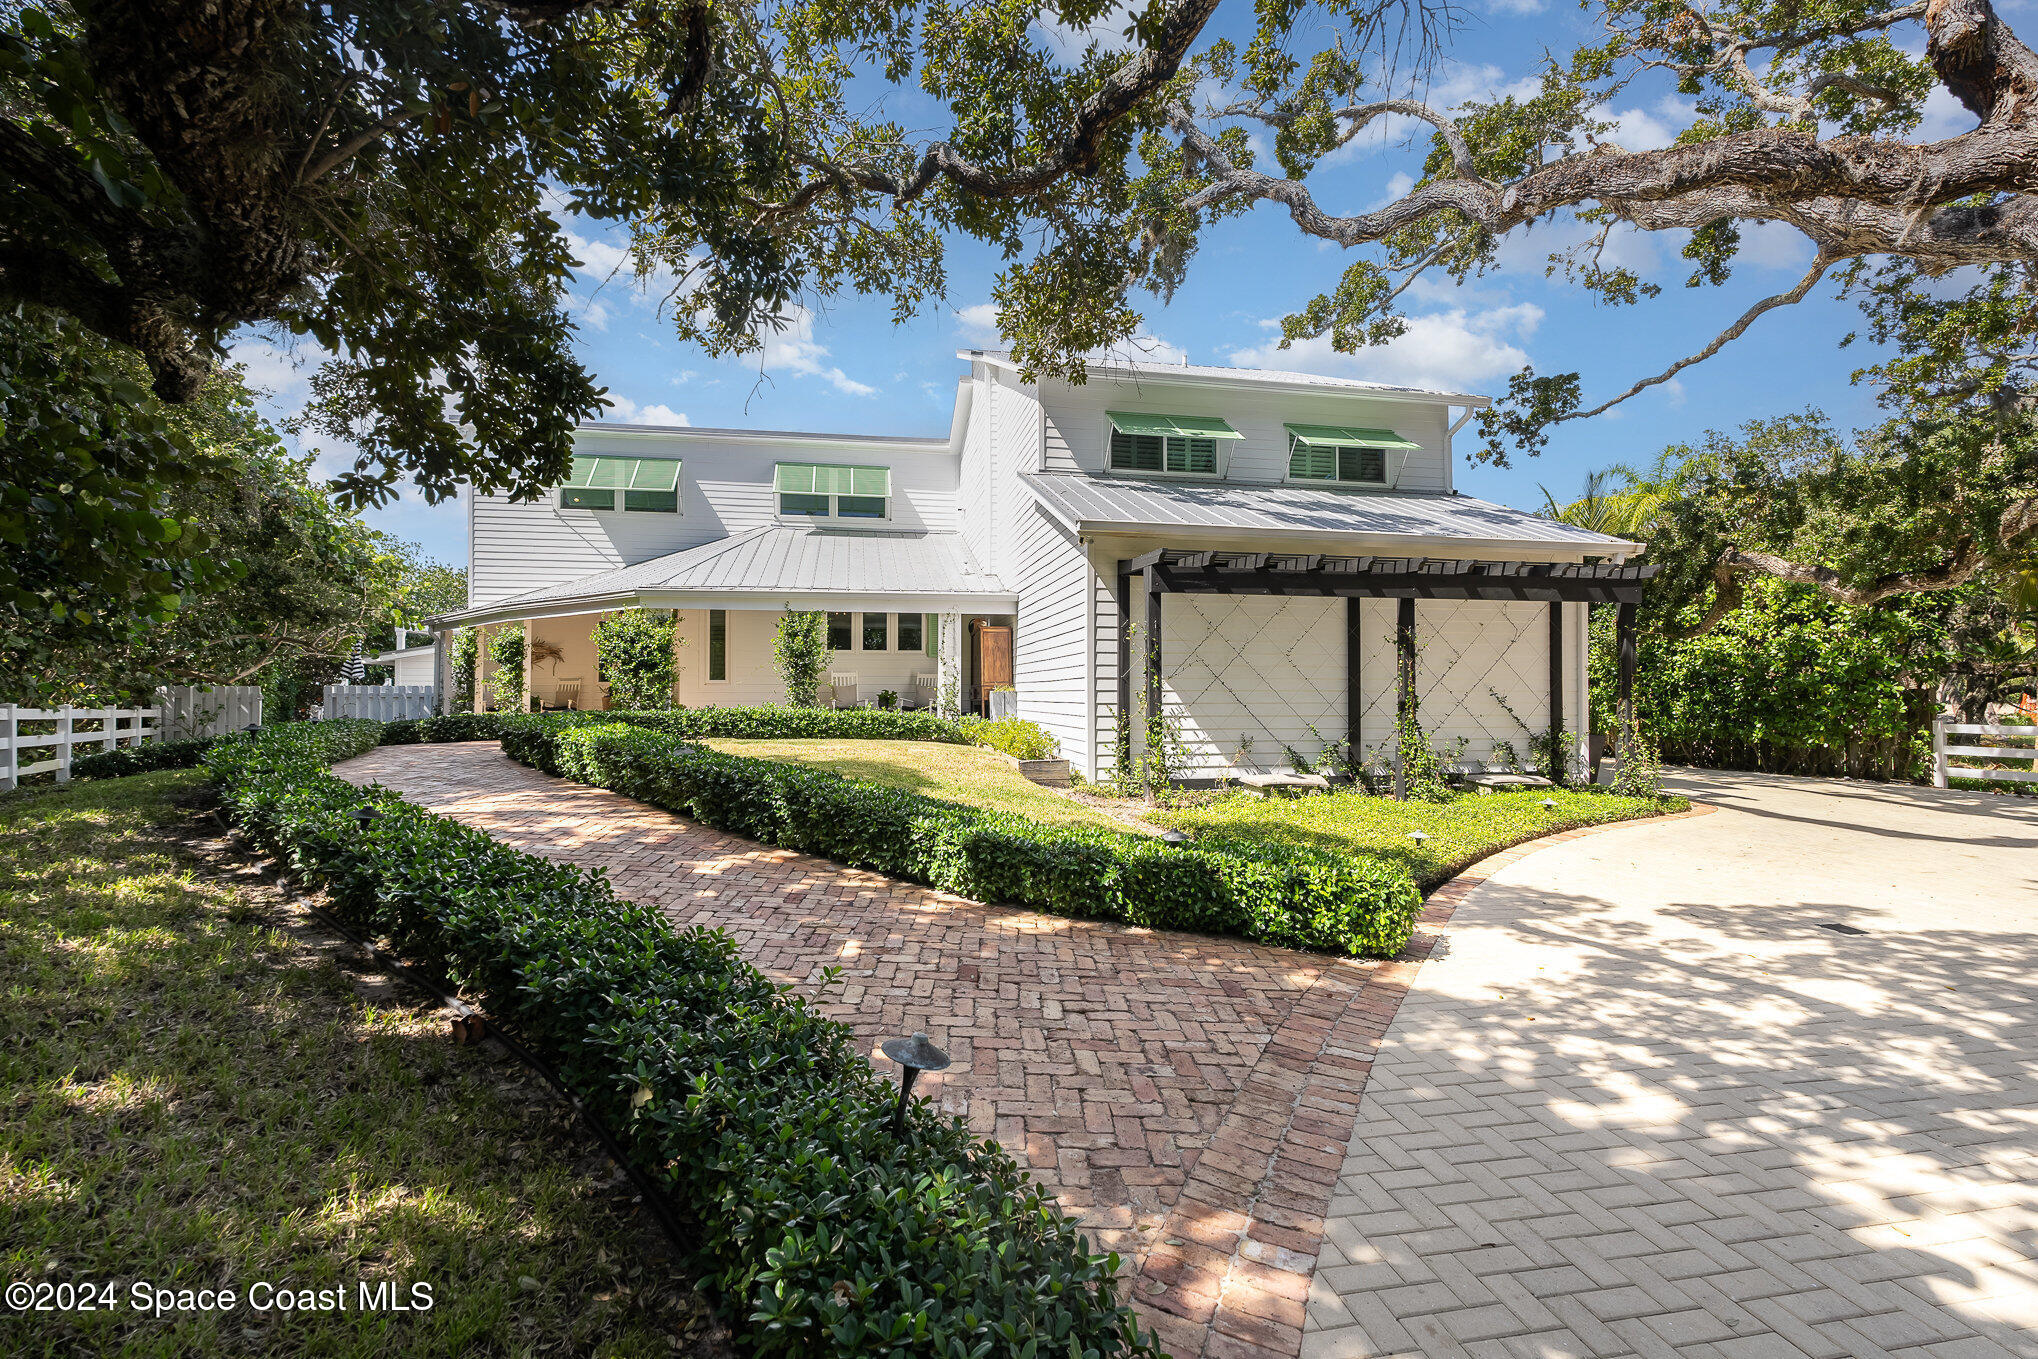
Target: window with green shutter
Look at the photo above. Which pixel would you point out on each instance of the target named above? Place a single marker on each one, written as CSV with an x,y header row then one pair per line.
x,y
1182,444
599,483
832,491
1343,453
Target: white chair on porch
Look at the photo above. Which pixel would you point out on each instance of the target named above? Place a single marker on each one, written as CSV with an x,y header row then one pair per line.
x,y
925,691
842,685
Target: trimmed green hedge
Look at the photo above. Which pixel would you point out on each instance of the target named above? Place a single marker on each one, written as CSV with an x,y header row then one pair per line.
x,y
768,722
142,759
820,1232
1276,894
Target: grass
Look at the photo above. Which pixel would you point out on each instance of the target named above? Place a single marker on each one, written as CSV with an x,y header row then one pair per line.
x,y
968,774
198,1096
1461,831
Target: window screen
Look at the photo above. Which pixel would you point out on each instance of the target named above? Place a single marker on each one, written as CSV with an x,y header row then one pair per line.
x,y
1337,462
718,644
1162,453
832,490
876,632
911,631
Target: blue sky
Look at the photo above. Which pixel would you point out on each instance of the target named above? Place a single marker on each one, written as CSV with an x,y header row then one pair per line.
x,y
845,367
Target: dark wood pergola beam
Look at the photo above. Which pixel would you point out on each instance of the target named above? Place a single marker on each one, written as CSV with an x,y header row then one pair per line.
x,y
1400,585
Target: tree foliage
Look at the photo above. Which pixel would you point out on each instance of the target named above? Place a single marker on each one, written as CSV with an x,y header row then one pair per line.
x,y
635,651
800,649
506,665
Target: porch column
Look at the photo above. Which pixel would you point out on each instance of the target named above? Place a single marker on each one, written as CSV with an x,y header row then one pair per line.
x,y
1404,700
1354,700
948,664
1624,681
442,672
1557,761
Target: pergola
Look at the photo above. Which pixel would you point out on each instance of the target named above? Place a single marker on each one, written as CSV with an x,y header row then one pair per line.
x,y
1407,579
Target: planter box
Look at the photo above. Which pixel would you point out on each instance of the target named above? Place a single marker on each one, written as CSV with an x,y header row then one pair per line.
x,y
1047,773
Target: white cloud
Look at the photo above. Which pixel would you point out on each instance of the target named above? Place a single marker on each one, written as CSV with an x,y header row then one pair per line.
x,y
1944,117
1452,350
1515,6
282,373
625,411
1648,129
1455,85
792,349
1775,245
979,324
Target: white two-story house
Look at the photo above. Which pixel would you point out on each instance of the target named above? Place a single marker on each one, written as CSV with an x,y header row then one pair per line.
x,y
1281,559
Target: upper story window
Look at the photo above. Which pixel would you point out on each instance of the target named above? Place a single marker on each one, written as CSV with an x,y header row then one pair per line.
x,y
1346,454
1184,445
650,484
829,491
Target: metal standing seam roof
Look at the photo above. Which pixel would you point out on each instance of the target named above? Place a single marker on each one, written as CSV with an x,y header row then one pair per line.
x,y
786,559
1104,502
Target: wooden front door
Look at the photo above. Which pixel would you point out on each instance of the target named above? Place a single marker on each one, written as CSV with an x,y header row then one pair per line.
x,y
991,659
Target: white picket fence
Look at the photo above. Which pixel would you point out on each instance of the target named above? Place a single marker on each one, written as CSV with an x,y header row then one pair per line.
x,y
1942,751
103,729
379,702
192,711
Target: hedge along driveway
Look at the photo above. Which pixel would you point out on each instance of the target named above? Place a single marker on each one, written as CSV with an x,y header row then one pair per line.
x,y
1187,1098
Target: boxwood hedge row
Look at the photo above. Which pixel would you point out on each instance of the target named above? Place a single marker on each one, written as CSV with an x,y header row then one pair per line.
x,y
767,722
142,759
820,1232
1277,894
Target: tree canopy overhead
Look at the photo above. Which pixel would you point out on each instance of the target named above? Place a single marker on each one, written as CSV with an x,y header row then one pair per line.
x,y
372,174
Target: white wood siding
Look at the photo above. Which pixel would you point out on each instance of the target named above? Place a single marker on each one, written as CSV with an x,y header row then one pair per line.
x,y
725,488
1469,650
1051,635
1015,436
976,507
1077,432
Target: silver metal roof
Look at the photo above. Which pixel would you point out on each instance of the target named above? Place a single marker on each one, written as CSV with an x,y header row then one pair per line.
x,y
1154,370
789,559
1102,503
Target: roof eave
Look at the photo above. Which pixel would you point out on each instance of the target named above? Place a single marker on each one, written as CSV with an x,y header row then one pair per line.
x,y
1446,544
1249,377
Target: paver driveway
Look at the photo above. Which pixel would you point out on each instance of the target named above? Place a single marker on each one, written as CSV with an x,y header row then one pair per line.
x,y
1644,1102
1187,1098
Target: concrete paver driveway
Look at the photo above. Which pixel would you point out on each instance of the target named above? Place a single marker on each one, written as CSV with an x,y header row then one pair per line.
x,y
1643,1099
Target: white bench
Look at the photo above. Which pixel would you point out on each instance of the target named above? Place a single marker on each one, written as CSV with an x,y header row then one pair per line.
x,y
1486,783
1266,784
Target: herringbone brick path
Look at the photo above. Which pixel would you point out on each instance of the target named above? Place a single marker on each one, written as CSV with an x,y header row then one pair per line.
x,y
1646,1104
1188,1098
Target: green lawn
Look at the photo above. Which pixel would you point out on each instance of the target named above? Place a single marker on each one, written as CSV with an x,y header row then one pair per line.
x,y
1461,831
196,1096
970,774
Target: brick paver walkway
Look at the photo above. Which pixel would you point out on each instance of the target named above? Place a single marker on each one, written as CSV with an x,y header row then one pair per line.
x,y
1189,1099
1642,1102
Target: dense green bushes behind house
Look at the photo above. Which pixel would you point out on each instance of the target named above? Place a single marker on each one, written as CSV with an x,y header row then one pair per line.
x,y
821,1232
1790,683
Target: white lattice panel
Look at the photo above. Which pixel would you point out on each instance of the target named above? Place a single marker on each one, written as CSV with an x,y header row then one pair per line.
x,y
1258,668
1469,650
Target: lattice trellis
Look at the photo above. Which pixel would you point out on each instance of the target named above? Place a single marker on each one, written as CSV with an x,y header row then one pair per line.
x,y
1466,648
1252,665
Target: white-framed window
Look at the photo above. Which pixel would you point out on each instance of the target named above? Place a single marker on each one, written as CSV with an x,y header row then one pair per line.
x,y
841,635
650,485
1169,445
718,645
807,490
1347,455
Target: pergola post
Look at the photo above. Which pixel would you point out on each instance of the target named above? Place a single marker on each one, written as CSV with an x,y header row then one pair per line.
x,y
1404,697
1154,587
1557,761
1624,673
1354,700
1124,669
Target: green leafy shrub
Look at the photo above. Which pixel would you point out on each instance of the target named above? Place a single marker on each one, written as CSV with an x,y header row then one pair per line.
x,y
821,1233
118,764
1292,896
506,651
634,648
1015,736
802,653
465,650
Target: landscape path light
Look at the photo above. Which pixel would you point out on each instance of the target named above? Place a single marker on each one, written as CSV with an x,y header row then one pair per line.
x,y
915,1054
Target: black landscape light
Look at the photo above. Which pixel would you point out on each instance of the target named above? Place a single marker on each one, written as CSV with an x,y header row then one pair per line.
x,y
365,817
1173,837
915,1054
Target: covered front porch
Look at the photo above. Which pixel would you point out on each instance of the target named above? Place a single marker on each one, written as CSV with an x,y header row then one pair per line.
x,y
906,616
